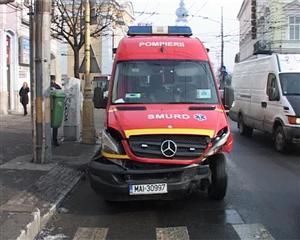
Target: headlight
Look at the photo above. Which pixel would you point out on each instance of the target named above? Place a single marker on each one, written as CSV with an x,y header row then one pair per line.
x,y
294,120
218,141
109,145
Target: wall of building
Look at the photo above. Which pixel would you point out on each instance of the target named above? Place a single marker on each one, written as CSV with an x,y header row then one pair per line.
x,y
55,66
279,13
9,38
103,45
14,23
272,26
246,41
107,53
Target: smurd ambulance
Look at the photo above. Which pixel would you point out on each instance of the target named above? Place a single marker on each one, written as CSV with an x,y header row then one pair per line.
x,y
166,130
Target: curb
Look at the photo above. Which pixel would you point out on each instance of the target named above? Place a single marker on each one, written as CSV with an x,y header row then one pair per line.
x,y
33,228
26,214
30,211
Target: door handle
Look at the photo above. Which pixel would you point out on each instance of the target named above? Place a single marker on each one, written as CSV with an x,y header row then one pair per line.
x,y
264,104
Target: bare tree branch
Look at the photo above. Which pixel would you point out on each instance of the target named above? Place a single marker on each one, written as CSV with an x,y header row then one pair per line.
x,y
65,10
98,31
68,22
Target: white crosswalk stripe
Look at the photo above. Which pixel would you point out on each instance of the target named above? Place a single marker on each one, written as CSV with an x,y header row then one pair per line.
x,y
172,233
252,232
91,234
244,231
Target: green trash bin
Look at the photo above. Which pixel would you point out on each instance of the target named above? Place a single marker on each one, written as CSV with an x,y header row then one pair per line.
x,y
57,107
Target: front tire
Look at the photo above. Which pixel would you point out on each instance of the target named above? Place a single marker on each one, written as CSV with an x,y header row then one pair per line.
x,y
280,140
218,187
243,128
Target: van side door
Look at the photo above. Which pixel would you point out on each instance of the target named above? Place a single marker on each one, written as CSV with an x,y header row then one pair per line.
x,y
258,94
272,105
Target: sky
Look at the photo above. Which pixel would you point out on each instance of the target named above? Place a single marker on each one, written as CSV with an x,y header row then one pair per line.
x,y
204,19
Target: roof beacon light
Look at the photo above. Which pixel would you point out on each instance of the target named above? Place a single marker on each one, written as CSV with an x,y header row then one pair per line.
x,y
159,30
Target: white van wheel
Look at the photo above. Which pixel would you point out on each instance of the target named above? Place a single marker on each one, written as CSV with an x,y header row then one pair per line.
x,y
218,187
243,128
280,139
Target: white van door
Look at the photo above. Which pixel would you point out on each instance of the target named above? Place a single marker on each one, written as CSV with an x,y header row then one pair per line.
x,y
258,98
272,105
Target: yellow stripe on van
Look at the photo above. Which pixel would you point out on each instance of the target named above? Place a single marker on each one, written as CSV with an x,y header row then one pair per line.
x,y
219,110
113,155
152,131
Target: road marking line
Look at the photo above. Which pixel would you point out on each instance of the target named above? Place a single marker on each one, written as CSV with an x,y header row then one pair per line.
x,y
172,233
233,217
91,234
252,231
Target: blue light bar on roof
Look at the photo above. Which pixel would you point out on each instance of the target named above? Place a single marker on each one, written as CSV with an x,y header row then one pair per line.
x,y
159,30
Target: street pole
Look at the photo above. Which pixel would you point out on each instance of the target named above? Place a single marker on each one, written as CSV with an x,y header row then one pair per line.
x,y
32,80
88,128
222,49
42,79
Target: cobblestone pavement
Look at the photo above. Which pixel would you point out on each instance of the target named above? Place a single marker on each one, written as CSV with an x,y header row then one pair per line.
x,y
15,136
30,193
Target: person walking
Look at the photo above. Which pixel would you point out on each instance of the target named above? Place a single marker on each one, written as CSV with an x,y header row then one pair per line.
x,y
54,86
24,99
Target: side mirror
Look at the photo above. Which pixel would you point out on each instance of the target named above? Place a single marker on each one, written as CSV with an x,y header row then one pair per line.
x,y
105,98
101,95
228,97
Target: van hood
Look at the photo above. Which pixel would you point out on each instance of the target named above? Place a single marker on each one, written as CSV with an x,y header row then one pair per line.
x,y
295,103
167,118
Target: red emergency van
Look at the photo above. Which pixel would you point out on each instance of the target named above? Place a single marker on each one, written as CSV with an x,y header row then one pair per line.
x,y
166,130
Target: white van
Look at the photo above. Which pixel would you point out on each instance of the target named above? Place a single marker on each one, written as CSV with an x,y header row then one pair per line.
x,y
267,97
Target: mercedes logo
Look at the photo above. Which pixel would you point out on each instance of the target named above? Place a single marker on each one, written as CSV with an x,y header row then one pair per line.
x,y
168,148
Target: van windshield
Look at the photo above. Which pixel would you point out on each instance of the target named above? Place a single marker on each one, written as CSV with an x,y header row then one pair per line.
x,y
290,83
164,81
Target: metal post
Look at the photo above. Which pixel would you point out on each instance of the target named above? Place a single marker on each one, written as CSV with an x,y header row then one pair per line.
x,y
222,49
88,128
42,78
32,80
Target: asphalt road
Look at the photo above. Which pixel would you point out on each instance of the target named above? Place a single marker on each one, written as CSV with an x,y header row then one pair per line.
x,y
263,198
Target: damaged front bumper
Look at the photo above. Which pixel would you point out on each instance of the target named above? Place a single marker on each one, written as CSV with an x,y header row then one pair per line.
x,y
113,181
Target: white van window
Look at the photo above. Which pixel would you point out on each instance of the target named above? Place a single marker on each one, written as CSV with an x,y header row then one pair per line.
x,y
164,81
290,83
272,87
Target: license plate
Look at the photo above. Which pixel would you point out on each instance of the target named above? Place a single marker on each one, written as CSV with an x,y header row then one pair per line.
x,y
141,189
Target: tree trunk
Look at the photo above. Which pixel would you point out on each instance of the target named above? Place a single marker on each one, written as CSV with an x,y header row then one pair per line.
x,y
76,63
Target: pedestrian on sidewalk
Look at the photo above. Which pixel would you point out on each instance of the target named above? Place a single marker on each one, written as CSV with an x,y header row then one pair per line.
x,y
24,99
54,86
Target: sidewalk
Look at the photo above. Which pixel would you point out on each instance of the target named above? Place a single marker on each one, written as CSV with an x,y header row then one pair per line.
x,y
30,193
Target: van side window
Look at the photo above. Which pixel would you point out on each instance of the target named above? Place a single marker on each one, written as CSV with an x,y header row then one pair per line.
x,y
272,88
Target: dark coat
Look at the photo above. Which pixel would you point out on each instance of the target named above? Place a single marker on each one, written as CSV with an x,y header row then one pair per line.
x,y
54,85
24,95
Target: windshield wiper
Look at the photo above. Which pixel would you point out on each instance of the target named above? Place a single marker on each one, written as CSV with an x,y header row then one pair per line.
x,y
182,103
290,94
124,103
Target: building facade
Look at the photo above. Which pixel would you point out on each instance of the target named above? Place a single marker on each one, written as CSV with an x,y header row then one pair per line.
x,y
269,26
15,54
102,46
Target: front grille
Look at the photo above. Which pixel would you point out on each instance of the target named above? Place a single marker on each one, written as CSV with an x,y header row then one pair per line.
x,y
149,146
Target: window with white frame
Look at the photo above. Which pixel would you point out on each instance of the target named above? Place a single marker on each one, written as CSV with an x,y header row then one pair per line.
x,y
294,27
